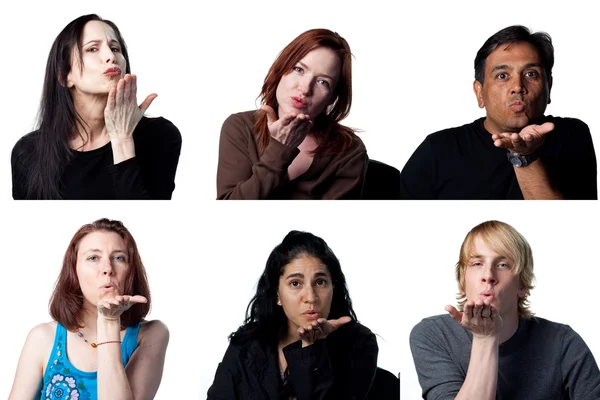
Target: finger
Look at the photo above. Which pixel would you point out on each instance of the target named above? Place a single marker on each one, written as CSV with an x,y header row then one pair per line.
x,y
336,323
110,104
133,88
541,130
120,92
271,116
486,312
127,88
137,299
146,103
494,314
468,310
477,310
454,313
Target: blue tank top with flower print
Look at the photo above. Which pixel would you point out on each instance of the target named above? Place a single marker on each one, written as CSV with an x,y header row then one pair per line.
x,y
62,381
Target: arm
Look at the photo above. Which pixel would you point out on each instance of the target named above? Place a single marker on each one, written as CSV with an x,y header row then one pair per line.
x,y
581,375
158,145
112,379
237,176
226,380
29,375
311,371
534,182
349,178
145,368
417,177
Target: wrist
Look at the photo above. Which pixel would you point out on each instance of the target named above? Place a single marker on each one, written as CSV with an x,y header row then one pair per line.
x,y
522,160
123,149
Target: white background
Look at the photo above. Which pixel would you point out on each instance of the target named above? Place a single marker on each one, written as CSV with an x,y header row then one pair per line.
x,y
413,65
413,73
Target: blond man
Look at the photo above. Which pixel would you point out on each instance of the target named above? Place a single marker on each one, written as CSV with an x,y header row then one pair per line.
x,y
491,346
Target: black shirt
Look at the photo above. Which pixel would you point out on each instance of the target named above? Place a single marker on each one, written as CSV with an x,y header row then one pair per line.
x,y
93,175
463,163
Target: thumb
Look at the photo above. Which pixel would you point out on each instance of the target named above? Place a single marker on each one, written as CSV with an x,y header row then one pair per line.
x,y
271,116
543,128
146,103
454,313
337,323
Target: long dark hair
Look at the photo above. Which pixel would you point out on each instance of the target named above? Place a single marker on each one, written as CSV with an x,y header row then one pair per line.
x,y
264,318
57,117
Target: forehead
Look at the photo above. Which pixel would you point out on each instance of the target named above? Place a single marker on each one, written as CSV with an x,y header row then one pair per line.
x,y
482,247
97,30
323,60
306,265
513,54
101,240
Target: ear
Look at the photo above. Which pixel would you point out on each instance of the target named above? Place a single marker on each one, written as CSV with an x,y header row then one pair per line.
x,y
65,82
523,293
550,81
478,89
278,299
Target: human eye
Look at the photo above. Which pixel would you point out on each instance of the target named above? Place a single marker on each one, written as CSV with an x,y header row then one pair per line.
x,y
92,49
295,284
502,76
324,83
120,257
321,282
92,258
476,263
503,265
298,69
532,74
116,49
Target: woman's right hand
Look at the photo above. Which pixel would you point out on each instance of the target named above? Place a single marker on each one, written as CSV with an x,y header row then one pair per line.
x,y
290,129
320,329
111,308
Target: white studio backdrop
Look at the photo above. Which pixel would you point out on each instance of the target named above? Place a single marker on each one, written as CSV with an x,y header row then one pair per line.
x,y
413,65
203,264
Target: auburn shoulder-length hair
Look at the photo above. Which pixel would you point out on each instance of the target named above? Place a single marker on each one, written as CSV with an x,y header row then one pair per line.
x,y
505,240
66,303
332,137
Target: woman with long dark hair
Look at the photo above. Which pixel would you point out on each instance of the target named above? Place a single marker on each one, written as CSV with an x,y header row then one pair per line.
x,y
294,147
98,346
93,140
301,339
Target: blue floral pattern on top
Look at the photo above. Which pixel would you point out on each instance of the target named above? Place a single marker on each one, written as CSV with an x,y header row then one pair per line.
x,y
62,381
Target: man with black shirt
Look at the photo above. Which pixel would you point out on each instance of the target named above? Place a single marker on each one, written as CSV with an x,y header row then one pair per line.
x,y
515,151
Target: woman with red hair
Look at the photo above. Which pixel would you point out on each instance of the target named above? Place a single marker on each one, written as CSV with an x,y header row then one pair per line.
x,y
294,147
99,346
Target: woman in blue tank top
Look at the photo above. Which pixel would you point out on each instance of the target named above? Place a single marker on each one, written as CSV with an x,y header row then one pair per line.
x,y
99,346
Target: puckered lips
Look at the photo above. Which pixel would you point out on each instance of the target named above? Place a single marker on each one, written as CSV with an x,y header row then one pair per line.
x,y
312,314
113,71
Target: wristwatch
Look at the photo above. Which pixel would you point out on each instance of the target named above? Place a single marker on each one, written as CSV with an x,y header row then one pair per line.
x,y
519,160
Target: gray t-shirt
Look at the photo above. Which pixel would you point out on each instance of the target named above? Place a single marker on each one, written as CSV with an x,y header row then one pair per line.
x,y
543,360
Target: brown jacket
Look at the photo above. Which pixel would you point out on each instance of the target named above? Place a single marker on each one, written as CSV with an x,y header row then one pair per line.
x,y
244,173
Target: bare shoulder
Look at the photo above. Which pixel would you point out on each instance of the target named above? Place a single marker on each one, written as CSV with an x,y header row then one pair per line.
x,y
153,331
42,333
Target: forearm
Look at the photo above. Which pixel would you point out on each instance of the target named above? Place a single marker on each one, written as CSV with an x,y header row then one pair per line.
x,y
122,150
534,182
482,376
112,379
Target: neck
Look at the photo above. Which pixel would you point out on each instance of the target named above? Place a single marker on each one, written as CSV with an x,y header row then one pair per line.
x,y
90,123
89,318
510,324
289,336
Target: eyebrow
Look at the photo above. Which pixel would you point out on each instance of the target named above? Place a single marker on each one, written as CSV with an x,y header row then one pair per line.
x,y
111,41
506,66
306,67
300,275
100,251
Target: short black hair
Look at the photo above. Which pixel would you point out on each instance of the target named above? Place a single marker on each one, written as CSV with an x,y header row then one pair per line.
x,y
516,33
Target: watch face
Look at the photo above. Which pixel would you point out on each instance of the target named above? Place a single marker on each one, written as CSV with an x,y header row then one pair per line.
x,y
516,161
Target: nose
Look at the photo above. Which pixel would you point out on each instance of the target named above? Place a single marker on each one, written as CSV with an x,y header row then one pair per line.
x,y
106,268
518,85
305,85
488,275
310,296
107,54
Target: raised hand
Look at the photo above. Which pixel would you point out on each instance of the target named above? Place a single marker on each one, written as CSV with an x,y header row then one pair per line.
x,y
525,142
111,308
122,113
320,329
290,129
482,320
